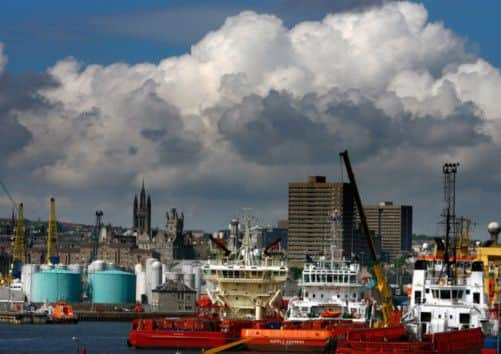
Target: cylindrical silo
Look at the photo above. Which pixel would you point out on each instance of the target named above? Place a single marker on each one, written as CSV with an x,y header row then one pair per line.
x,y
198,279
165,269
156,275
113,287
148,275
56,285
27,276
140,282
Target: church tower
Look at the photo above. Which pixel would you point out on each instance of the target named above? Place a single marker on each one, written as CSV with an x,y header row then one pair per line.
x,y
142,212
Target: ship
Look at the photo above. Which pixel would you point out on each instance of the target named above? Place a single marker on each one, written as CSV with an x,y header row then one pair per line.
x,y
183,332
442,302
288,340
247,280
447,311
331,288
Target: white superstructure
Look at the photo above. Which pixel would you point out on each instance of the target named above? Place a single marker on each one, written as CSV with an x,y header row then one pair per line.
x,y
246,281
443,302
330,288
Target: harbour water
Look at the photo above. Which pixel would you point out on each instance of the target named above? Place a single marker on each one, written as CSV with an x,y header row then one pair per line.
x,y
97,337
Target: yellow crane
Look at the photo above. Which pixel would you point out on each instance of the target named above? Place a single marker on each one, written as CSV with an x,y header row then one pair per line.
x,y
52,236
390,316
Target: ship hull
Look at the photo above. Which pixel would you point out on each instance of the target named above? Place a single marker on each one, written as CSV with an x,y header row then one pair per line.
x,y
391,340
176,339
292,340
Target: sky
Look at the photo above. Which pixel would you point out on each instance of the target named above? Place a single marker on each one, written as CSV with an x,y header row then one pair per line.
x,y
217,105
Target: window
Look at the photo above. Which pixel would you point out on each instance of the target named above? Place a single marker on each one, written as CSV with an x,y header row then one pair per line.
x,y
445,294
464,318
417,297
425,316
476,298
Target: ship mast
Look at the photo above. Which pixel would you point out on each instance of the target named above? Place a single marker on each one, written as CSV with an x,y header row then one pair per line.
x,y
246,242
449,170
336,249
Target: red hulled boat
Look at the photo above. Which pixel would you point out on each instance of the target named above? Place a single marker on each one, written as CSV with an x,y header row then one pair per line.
x,y
176,333
396,340
295,340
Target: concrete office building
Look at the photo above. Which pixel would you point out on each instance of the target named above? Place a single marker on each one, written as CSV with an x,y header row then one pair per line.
x,y
394,224
310,229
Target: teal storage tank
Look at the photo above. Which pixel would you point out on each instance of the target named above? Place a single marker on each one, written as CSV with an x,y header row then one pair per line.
x,y
112,287
56,285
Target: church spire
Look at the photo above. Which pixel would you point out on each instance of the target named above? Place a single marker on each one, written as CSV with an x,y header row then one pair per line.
x,y
142,197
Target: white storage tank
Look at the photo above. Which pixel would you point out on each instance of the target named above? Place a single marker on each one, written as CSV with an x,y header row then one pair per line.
x,y
156,275
140,282
198,279
164,273
27,278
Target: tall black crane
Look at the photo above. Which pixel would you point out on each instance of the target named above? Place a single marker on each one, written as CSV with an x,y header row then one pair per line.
x,y
95,235
387,307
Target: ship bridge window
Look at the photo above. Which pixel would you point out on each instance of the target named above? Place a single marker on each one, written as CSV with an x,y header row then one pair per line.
x,y
306,279
445,294
464,318
457,294
417,296
425,316
476,298
353,279
329,278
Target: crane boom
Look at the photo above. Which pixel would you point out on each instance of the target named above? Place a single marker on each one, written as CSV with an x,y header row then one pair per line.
x,y
14,204
387,308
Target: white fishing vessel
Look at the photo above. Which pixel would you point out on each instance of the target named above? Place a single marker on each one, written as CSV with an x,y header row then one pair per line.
x,y
330,287
444,300
448,290
247,281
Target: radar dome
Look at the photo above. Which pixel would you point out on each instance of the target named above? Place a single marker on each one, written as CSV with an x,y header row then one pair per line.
x,y
493,228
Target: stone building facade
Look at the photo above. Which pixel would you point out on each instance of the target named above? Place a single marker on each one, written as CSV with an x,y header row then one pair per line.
x,y
174,297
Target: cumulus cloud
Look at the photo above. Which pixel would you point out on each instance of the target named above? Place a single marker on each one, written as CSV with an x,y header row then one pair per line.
x,y
255,104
